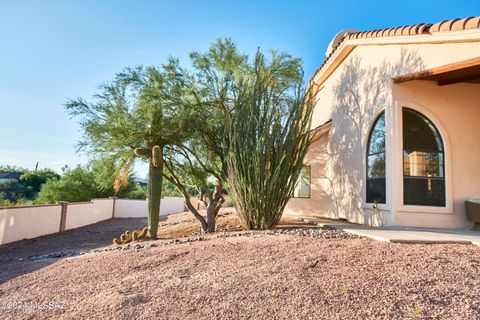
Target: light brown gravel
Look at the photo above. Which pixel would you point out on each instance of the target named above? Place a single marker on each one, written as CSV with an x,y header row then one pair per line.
x,y
262,276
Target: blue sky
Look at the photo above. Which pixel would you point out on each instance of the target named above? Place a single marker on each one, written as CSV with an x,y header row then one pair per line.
x,y
54,50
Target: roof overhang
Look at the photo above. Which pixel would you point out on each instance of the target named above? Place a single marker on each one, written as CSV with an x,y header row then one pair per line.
x,y
319,131
348,45
467,71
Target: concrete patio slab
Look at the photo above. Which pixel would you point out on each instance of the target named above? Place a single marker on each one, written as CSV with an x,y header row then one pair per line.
x,y
402,234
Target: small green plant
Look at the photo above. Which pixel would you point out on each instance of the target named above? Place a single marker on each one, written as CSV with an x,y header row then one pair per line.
x,y
418,310
6,203
345,288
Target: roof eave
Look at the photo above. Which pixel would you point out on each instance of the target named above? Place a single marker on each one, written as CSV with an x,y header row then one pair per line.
x,y
347,46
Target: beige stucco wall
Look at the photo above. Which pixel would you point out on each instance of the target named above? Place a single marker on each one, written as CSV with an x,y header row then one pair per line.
x,y
319,203
352,97
129,208
17,223
375,61
28,222
82,214
456,110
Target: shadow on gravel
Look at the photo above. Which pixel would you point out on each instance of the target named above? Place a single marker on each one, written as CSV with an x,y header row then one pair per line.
x,y
21,257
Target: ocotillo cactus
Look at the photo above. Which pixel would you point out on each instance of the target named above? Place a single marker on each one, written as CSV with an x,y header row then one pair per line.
x,y
155,154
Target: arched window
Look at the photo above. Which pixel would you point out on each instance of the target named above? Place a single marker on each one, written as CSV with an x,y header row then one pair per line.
x,y
376,186
423,161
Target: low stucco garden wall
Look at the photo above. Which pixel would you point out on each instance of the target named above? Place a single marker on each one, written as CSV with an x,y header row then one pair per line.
x,y
82,214
129,208
17,223
25,222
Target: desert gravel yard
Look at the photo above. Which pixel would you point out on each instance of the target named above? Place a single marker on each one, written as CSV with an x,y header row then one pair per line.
x,y
295,272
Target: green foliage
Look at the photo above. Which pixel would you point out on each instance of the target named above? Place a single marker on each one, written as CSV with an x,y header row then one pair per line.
x,y
76,185
83,183
4,201
181,123
269,137
33,181
139,192
201,158
11,191
138,110
169,189
8,168
26,188
219,76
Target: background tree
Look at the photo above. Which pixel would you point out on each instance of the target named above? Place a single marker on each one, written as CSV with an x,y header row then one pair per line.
x,y
134,117
8,168
84,183
24,184
269,137
11,192
33,181
169,189
76,185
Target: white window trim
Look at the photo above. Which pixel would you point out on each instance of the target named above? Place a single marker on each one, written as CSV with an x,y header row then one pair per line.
x,y
398,163
388,169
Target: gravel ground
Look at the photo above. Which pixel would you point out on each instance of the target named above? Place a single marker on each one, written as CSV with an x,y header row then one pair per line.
x,y
295,272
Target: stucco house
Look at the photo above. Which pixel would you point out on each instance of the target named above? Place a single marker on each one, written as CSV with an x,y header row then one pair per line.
x,y
396,127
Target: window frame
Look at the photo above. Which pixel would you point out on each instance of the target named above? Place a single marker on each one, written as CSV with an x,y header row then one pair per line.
x,y
442,164
309,183
398,165
381,205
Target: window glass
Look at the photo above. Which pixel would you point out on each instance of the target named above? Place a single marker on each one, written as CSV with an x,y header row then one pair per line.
x,y
376,142
302,188
376,165
376,186
423,161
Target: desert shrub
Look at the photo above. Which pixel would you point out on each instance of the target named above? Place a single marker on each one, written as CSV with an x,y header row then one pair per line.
x,y
269,137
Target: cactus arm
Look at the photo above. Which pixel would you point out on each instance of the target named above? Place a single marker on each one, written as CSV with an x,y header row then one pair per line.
x,y
142,152
157,156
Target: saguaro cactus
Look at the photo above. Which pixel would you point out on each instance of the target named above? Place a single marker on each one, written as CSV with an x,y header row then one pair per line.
x,y
155,155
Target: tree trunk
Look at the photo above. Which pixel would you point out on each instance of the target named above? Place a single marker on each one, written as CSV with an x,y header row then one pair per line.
x,y
195,212
212,211
214,207
154,197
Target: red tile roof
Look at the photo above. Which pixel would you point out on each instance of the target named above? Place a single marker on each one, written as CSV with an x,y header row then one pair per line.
x,y
412,30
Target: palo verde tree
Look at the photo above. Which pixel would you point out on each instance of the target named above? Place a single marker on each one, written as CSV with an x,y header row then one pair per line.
x,y
134,116
201,159
269,137
189,169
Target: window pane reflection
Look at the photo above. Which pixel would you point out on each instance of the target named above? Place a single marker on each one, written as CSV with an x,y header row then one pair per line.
x,y
376,188
376,165
302,188
423,161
